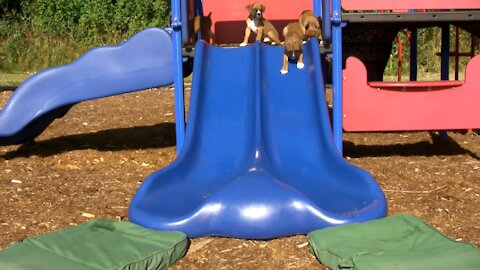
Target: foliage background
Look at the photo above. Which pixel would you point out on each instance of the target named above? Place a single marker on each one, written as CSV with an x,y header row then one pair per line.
x,y
429,43
36,34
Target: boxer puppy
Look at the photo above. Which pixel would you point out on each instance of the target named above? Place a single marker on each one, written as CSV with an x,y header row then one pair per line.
x,y
259,25
311,26
292,45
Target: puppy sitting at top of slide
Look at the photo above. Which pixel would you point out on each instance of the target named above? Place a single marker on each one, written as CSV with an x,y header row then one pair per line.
x,y
293,44
259,25
311,26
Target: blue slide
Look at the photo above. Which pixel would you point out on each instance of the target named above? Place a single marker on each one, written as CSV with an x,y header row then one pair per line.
x,y
258,159
142,62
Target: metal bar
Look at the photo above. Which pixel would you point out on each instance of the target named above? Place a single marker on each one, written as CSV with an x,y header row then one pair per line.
x,y
413,54
399,57
463,54
317,8
457,50
337,75
326,20
184,18
178,73
413,17
445,51
198,8
409,4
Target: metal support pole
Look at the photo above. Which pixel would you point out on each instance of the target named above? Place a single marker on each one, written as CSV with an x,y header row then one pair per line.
x,y
178,73
413,54
445,55
337,80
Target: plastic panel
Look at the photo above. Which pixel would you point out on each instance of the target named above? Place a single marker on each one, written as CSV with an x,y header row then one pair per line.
x,y
409,4
258,159
228,17
451,106
142,62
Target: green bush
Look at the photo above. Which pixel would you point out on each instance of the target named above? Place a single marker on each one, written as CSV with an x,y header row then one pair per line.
x,y
429,44
36,34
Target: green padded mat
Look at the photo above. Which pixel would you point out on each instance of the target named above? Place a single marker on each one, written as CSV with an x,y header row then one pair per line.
x,y
100,244
393,243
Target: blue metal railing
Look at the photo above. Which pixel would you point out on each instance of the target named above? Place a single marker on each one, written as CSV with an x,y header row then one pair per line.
x,y
322,9
329,17
337,80
333,17
178,71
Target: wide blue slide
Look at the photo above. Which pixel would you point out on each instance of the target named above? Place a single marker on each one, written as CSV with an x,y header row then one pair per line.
x,y
142,62
258,159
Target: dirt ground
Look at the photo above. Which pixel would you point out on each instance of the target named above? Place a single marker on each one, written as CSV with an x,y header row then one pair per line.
x,y
89,164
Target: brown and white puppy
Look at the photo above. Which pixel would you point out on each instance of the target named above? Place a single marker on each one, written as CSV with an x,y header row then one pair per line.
x,y
311,25
292,45
202,24
258,24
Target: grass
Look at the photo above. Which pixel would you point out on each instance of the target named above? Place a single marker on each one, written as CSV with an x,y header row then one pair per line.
x,y
13,79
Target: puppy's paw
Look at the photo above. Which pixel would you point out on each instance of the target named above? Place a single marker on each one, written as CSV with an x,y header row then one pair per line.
x,y
300,65
304,42
243,44
266,40
284,71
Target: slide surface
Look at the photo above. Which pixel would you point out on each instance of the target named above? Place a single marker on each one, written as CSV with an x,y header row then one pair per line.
x,y
258,159
142,62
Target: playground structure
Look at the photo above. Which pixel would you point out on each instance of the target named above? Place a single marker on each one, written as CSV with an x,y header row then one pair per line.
x,y
258,159
412,105
282,173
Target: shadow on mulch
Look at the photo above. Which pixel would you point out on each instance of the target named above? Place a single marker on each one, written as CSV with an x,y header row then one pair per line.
x,y
133,138
439,146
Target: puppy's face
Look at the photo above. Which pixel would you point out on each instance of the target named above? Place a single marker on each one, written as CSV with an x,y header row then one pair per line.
x,y
292,48
256,10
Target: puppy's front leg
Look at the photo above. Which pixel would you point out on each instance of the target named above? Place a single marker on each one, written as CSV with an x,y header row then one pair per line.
x,y
284,69
300,63
259,34
245,38
274,38
320,36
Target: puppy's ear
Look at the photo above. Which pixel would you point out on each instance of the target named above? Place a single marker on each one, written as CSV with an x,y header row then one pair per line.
x,y
248,8
209,14
262,8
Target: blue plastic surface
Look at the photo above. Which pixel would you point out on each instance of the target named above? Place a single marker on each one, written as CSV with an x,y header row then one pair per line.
x,y
144,61
258,159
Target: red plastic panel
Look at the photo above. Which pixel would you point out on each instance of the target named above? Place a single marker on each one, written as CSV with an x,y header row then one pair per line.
x,y
228,17
409,4
420,86
367,109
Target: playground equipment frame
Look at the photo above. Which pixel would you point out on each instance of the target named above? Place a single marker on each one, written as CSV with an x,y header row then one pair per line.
x,y
180,37
333,22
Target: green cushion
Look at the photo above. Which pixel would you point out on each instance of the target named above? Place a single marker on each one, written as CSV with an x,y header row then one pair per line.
x,y
396,242
100,244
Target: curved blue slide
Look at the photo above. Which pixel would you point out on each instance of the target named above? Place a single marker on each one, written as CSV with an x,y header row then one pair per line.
x,y
258,159
142,62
